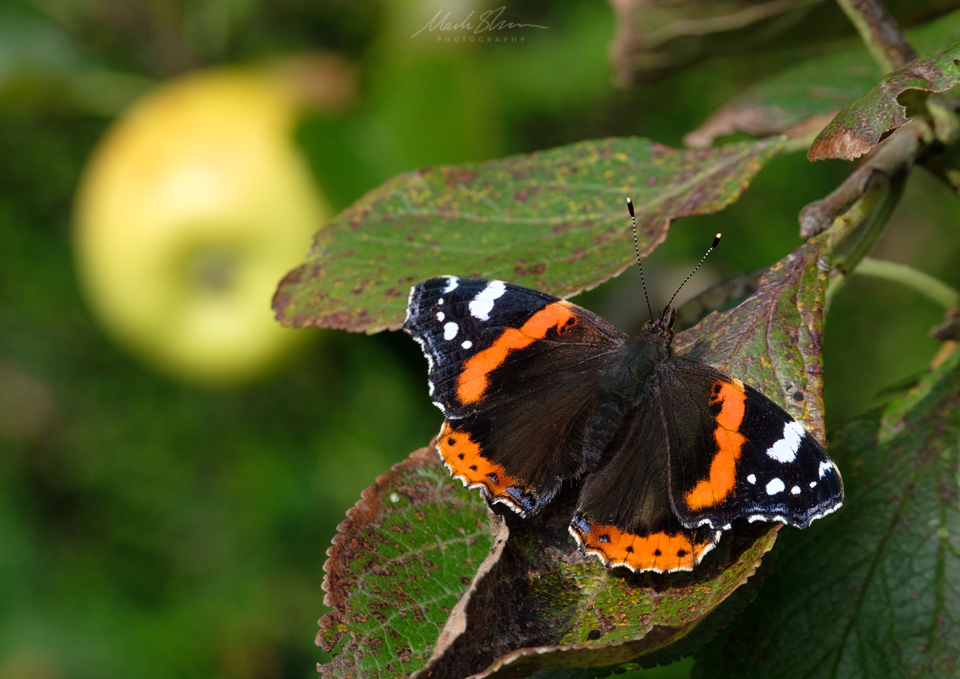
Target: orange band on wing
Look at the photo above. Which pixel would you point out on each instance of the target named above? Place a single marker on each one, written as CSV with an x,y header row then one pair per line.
x,y
723,470
657,551
475,378
462,457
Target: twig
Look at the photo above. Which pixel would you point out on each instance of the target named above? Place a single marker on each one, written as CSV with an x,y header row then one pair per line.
x,y
853,233
944,163
880,32
893,159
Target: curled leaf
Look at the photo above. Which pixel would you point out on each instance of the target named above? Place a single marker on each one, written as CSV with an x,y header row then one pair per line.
x,y
860,126
398,564
543,605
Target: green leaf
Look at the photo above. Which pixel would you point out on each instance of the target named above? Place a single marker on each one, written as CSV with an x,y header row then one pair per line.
x,y
805,97
875,591
655,39
543,605
860,126
395,570
397,566
553,220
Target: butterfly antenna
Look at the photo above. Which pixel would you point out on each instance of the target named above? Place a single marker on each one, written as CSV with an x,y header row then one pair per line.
x,y
636,246
716,241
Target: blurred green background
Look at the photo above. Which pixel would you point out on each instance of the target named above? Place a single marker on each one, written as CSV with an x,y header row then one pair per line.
x,y
153,529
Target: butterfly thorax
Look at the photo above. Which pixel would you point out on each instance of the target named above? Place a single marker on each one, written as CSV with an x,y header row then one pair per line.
x,y
630,374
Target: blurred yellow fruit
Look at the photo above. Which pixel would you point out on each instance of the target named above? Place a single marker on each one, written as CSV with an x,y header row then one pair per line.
x,y
191,209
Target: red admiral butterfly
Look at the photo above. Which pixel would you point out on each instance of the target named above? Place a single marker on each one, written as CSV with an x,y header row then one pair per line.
x,y
538,392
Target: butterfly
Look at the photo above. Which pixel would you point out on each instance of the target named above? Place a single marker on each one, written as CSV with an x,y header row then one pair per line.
x,y
538,392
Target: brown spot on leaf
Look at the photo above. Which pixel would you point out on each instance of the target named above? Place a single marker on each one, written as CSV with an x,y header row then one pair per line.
x,y
534,270
657,149
847,144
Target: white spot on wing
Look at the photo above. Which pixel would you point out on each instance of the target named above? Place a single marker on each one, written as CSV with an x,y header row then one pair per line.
x,y
450,331
440,316
825,466
813,484
785,450
440,301
467,344
452,284
795,490
775,486
482,304
752,478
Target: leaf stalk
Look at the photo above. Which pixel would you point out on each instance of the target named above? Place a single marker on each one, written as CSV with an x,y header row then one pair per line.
x,y
932,288
880,32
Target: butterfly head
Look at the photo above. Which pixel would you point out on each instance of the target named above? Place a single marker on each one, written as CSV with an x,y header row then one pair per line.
x,y
662,326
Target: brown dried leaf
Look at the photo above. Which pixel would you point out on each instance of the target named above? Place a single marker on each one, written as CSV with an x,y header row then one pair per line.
x,y
861,126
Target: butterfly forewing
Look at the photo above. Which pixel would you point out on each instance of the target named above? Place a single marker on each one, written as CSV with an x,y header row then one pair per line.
x,y
517,375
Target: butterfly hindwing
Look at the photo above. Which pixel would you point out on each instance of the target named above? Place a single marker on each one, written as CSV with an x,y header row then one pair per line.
x,y
624,514
517,374
735,453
